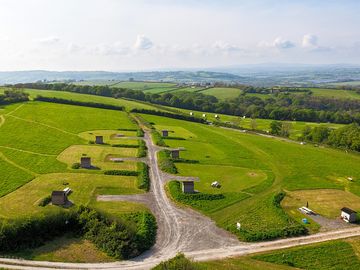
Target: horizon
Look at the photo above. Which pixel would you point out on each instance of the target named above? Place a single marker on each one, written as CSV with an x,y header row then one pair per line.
x,y
135,36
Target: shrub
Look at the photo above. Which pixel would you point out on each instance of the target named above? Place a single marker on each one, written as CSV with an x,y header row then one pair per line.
x,y
143,176
45,201
76,166
142,151
179,262
125,145
121,172
157,139
140,133
165,162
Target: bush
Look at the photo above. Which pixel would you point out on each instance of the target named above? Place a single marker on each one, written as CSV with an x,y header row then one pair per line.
x,y
125,145
179,262
45,201
165,162
143,176
121,172
183,160
142,151
76,165
140,133
157,139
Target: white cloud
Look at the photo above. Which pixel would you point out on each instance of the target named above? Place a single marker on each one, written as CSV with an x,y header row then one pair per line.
x,y
226,47
51,40
281,43
310,41
143,43
116,48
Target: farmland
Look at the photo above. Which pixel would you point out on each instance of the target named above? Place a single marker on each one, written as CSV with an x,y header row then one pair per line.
x,y
39,143
222,93
287,165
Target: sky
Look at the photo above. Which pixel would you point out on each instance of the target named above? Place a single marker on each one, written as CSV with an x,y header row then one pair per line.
x,y
138,35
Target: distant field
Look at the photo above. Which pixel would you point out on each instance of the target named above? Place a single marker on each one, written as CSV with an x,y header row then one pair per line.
x,y
350,83
97,82
222,93
260,167
144,85
335,93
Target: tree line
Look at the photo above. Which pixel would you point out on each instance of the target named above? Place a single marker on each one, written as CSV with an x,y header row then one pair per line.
x,y
280,106
13,96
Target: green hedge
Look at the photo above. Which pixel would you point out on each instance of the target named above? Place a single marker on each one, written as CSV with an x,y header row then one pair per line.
x,y
142,151
45,201
174,138
121,172
179,262
166,164
116,237
143,176
157,139
140,133
126,145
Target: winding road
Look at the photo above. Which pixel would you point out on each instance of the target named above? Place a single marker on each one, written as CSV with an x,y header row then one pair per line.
x,y
179,230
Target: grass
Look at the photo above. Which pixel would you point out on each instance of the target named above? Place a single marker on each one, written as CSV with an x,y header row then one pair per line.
x,y
74,119
67,248
328,202
229,156
12,177
324,256
100,156
24,201
231,178
222,93
143,85
110,136
335,93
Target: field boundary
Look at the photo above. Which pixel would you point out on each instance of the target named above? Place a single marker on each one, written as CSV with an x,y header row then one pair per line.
x,y
3,157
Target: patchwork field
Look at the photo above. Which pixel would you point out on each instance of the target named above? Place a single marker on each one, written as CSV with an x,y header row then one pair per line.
x,y
40,142
259,167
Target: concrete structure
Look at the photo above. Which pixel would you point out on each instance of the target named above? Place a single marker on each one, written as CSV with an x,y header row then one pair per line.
x,y
165,133
175,153
85,162
188,186
348,215
59,198
99,139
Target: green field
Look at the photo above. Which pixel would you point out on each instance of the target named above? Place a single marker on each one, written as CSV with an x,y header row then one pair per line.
x,y
257,166
222,92
40,141
335,93
145,86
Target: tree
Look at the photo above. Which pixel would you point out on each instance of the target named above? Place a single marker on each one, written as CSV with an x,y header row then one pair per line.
x,y
275,127
285,129
253,124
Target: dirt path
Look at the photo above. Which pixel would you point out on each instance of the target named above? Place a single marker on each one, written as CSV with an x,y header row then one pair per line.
x,y
2,120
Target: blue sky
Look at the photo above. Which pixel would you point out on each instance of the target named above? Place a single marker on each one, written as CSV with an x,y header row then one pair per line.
x,y
141,35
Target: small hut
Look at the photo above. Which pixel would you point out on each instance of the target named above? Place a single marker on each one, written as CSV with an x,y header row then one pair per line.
x,y
188,186
85,162
59,197
175,153
348,215
165,133
99,139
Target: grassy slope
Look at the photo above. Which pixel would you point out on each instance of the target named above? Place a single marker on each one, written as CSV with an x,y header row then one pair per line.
x,y
335,93
34,134
294,167
222,92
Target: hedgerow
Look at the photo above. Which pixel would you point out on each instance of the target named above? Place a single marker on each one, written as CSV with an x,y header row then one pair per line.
x,y
79,103
166,164
121,172
143,176
157,139
142,151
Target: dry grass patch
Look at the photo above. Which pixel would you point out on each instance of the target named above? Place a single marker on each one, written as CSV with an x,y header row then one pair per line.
x,y
110,136
99,156
326,202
